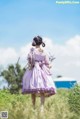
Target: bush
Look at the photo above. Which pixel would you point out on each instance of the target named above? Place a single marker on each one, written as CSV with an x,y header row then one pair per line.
x,y
13,75
74,99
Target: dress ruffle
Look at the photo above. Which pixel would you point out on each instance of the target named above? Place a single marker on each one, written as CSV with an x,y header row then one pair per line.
x,y
46,91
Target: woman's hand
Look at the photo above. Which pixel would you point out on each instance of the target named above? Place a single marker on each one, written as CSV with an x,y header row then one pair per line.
x,y
49,66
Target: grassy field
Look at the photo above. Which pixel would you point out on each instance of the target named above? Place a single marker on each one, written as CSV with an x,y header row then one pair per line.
x,y
20,106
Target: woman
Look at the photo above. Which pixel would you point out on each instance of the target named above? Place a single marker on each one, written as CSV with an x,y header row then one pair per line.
x,y
37,80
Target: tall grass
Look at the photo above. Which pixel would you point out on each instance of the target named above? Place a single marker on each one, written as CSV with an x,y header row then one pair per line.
x,y
20,106
74,99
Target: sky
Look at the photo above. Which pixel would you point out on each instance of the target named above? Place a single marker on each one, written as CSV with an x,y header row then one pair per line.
x,y
21,20
59,25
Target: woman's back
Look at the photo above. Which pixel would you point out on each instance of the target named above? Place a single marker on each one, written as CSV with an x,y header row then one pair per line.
x,y
38,54
37,79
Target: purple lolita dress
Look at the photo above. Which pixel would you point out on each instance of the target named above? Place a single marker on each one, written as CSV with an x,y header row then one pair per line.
x,y
37,78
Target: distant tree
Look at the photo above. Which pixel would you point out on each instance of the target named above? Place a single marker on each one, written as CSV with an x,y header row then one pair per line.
x,y
1,68
14,75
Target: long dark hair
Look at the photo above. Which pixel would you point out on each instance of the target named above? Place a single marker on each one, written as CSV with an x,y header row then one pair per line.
x,y
38,41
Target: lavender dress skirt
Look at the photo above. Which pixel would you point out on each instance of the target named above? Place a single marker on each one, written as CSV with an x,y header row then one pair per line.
x,y
38,79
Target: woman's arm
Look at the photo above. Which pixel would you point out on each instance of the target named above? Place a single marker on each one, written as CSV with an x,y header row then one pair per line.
x,y
47,62
30,58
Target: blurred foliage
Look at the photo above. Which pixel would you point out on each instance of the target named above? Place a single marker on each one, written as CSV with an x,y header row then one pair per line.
x,y
74,99
13,75
19,106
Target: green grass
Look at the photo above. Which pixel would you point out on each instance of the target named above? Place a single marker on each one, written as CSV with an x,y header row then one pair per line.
x,y
20,106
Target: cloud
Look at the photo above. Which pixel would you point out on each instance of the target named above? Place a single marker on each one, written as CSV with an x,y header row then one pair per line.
x,y
7,55
75,42
67,62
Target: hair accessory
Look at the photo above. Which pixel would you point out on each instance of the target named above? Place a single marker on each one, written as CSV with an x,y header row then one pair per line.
x,y
43,44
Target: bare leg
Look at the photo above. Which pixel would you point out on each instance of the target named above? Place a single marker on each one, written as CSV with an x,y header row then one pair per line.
x,y
33,96
42,101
